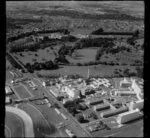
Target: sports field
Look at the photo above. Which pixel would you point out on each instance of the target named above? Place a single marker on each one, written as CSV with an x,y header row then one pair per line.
x,y
42,127
21,92
14,126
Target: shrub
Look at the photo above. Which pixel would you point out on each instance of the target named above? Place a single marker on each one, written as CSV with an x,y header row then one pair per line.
x,y
79,64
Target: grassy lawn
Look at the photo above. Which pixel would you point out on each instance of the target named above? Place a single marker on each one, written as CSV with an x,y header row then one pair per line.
x,y
95,70
31,57
41,127
22,92
83,55
123,57
15,124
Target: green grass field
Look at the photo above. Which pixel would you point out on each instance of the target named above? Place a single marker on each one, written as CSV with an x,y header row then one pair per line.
x,y
83,55
15,125
31,57
22,92
41,126
96,70
123,57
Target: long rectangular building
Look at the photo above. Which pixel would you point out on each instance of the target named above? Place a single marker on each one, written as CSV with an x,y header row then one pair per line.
x,y
8,90
139,105
101,107
114,112
129,116
94,101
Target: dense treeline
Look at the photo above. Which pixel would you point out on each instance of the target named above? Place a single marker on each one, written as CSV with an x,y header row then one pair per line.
x,y
69,38
33,46
112,63
48,65
100,32
27,34
74,106
80,15
22,20
94,42
25,47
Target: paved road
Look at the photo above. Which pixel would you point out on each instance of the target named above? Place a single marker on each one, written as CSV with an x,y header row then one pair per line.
x,y
52,98
18,62
29,132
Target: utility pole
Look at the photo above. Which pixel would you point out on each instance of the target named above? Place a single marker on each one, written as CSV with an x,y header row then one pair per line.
x,y
88,74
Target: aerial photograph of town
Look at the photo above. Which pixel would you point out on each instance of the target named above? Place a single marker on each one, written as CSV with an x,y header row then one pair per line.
x,y
74,69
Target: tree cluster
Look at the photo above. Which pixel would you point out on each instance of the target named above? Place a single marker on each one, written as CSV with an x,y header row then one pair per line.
x,y
139,72
74,106
94,42
27,34
98,31
48,65
131,40
69,38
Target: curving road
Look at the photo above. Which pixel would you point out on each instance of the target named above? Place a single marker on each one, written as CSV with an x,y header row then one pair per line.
x,y
29,132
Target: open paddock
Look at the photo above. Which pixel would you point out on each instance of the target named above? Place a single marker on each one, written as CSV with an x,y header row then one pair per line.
x,y
94,70
83,55
40,56
22,92
14,125
42,127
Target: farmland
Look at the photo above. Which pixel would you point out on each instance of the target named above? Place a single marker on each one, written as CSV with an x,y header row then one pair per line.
x,y
96,70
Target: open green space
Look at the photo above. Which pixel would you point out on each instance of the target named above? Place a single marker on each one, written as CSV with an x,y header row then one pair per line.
x,y
95,70
15,125
41,55
41,126
22,92
83,55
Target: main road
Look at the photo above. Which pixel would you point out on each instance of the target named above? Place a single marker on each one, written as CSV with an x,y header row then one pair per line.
x,y
52,98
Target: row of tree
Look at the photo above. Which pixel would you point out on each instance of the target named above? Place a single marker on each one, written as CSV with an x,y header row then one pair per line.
x,y
27,34
94,42
128,73
48,65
